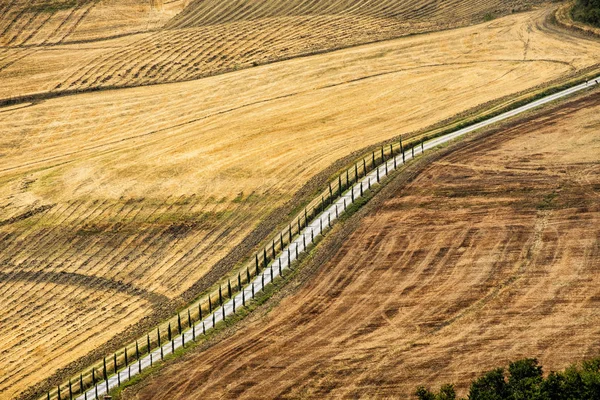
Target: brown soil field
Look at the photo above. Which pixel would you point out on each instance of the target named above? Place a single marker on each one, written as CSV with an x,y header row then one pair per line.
x,y
206,38
106,223
488,254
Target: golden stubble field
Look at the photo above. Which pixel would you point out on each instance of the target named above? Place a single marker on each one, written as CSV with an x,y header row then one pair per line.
x,y
490,255
113,204
66,45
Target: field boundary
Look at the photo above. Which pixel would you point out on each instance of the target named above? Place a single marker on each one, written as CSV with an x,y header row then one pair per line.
x,y
272,261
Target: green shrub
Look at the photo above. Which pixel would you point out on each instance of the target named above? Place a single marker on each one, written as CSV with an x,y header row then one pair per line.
x,y
587,11
525,381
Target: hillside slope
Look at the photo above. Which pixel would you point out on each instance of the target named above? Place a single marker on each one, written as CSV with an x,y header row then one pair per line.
x,y
211,37
491,254
107,223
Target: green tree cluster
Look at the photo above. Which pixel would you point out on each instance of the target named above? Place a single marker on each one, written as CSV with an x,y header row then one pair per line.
x,y
587,11
524,380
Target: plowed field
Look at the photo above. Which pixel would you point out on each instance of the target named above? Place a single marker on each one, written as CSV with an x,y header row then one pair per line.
x,y
491,254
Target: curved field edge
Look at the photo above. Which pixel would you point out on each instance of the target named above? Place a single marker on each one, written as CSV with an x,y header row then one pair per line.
x,y
324,251
426,134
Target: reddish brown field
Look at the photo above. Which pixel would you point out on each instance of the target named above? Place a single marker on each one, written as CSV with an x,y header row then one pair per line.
x,y
491,254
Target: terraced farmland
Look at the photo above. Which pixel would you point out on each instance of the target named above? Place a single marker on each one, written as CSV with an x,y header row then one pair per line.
x,y
209,37
116,206
491,254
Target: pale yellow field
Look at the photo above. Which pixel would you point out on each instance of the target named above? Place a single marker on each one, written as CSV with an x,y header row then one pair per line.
x,y
205,38
112,204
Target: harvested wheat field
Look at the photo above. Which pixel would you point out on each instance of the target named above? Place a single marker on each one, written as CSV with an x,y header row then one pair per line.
x,y
173,43
118,206
491,254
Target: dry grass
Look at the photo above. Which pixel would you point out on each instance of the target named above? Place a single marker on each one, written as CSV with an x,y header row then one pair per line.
x,y
209,37
27,23
107,221
490,255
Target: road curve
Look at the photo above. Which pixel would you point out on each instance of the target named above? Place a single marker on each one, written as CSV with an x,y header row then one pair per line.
x,y
299,245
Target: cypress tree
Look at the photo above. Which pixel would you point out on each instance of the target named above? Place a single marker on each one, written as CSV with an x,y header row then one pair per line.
x,y
214,320
190,318
256,260
290,232
104,368
361,189
137,350
373,160
203,328
273,248
280,272
239,281
391,149
262,281
58,388
330,191
70,390
194,333
234,305
281,240
248,275
81,388
347,178
382,155
355,172
115,362
252,289
229,288
296,251
377,174
265,257
209,304
178,323
126,360
223,309
422,145
328,223
413,151
220,296
298,221
151,362
48,395
182,341
169,336
244,298
159,345
305,217
304,239
322,204
172,346
351,196
148,342
340,185
312,236
94,376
